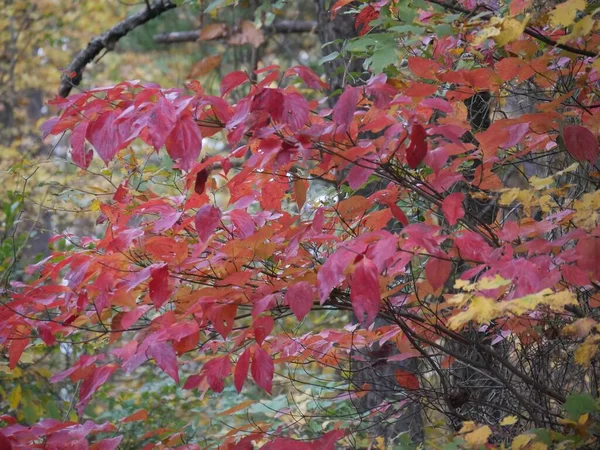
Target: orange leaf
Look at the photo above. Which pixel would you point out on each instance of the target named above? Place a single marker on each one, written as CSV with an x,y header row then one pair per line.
x,y
204,66
142,414
213,31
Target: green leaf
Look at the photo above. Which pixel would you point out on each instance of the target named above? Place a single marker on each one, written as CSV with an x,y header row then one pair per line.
x,y
329,57
579,404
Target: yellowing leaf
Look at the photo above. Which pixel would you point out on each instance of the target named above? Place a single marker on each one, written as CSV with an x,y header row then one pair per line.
x,y
14,398
521,441
563,15
586,351
478,437
509,420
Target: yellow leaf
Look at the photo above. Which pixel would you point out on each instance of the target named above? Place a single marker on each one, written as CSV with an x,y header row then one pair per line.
x,y
521,441
509,420
14,398
481,310
540,183
581,28
580,328
479,436
563,15
502,30
586,351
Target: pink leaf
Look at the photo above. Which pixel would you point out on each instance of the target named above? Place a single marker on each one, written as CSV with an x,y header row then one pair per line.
x,y
231,81
110,443
184,143
311,79
81,158
262,328
216,370
344,109
332,272
161,122
91,384
262,369
437,271
103,134
452,206
581,143
165,358
241,370
295,110
300,298
243,223
208,218
364,293
159,286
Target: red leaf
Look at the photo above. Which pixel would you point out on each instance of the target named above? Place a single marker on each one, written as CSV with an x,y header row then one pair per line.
x,y
110,443
81,158
216,370
262,328
364,293
423,67
103,134
407,380
339,5
159,286
165,358
241,370
91,384
398,213
343,111
300,298
262,369
364,18
16,349
310,78
574,275
437,271
222,317
232,80
472,246
581,143
207,219
161,122
452,206
4,442
200,184
417,150
184,143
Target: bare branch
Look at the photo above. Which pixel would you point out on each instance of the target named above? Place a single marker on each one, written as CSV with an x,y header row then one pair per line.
x,y
107,41
278,26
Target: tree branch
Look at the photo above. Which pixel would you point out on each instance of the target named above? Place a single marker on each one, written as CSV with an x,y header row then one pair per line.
x,y
528,30
278,26
107,41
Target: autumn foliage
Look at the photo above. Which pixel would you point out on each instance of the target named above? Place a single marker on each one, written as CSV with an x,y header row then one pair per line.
x,y
428,245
